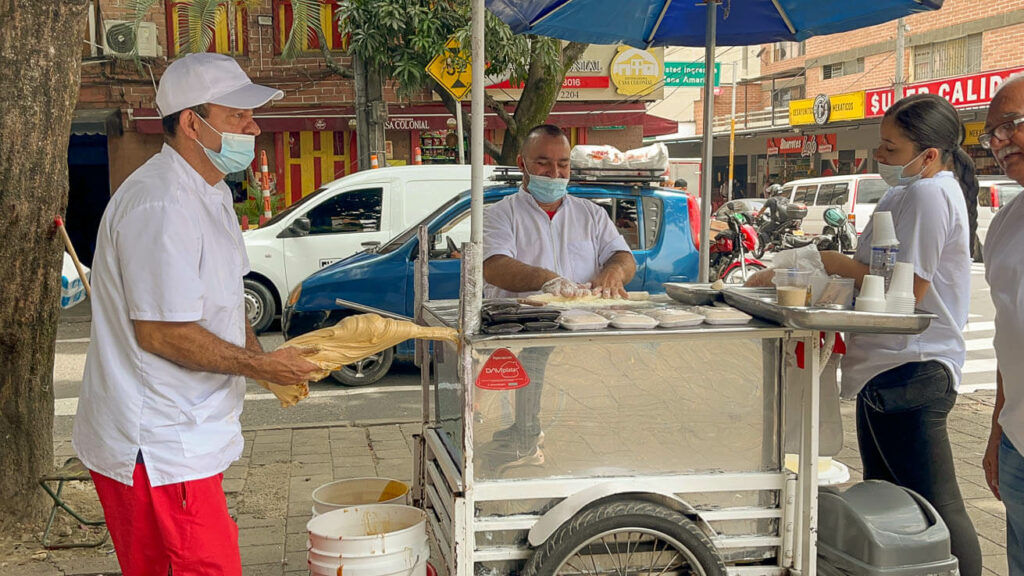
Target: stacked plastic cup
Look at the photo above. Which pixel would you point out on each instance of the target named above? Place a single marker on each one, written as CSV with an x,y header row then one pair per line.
x,y
900,298
872,295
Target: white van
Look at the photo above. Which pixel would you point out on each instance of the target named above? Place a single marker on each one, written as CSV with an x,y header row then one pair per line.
x,y
338,220
856,193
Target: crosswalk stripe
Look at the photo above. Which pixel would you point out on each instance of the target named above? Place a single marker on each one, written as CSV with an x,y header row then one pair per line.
x,y
980,326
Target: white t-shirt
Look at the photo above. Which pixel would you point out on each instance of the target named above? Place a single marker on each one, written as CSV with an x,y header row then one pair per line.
x,y
168,249
1004,270
575,244
930,217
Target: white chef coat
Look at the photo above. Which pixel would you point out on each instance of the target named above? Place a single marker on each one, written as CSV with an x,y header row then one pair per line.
x,y
930,217
575,244
169,249
1004,270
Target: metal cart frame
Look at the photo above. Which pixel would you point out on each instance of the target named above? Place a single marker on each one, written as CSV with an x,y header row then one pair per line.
x,y
456,499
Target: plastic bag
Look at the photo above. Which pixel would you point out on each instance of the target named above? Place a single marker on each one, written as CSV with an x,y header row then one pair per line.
x,y
72,291
587,157
653,157
805,258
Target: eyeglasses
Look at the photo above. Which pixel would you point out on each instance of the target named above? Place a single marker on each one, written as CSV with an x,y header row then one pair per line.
x,y
1003,131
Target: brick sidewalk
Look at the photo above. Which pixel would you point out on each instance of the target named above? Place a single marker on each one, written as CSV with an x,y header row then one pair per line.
x,y
270,488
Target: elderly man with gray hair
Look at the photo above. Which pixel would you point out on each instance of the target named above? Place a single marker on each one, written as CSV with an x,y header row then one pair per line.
x,y
1004,271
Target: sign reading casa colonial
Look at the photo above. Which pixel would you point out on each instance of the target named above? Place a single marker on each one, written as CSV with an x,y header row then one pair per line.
x,y
974,90
635,72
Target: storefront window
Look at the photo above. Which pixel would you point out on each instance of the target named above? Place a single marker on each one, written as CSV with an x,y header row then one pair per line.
x,y
228,35
439,147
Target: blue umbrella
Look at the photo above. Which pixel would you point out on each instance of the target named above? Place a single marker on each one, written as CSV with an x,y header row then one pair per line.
x,y
645,23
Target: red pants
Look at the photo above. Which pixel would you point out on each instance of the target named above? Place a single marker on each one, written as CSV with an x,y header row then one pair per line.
x,y
184,526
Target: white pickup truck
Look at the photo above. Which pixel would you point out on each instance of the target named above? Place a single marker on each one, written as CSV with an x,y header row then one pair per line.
x,y
341,218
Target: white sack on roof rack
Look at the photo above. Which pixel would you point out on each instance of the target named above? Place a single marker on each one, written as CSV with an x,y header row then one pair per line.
x,y
587,157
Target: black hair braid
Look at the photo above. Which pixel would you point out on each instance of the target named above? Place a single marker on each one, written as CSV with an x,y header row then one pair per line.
x,y
963,166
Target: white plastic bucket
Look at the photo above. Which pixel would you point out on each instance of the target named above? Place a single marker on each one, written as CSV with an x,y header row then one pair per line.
x,y
358,492
408,562
373,530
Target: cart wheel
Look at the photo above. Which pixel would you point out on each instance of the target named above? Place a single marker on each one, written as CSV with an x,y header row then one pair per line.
x,y
627,537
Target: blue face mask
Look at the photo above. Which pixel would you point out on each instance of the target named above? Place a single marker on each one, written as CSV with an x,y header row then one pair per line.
x,y
236,150
546,190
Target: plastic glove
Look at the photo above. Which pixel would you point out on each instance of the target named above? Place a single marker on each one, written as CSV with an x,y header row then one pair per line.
x,y
564,287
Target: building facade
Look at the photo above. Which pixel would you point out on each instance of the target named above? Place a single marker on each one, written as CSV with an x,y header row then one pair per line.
x,y
816,107
309,136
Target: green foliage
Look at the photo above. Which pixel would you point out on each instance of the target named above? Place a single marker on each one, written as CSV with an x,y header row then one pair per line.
x,y
400,37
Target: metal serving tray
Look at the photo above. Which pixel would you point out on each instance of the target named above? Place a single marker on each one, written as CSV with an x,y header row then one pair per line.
x,y
761,302
693,294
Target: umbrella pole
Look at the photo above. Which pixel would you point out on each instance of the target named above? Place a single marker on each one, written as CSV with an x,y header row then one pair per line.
x,y
472,281
709,117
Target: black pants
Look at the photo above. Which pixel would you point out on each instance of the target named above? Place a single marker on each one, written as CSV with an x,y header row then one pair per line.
x,y
901,431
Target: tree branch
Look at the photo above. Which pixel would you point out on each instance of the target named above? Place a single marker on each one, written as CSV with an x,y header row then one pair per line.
x,y
490,148
329,61
499,109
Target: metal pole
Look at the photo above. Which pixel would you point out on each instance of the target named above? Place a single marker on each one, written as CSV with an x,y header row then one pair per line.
x,y
475,271
732,135
709,117
458,132
897,87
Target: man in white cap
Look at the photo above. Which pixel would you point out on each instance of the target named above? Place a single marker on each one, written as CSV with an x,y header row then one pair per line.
x,y
158,414
1004,271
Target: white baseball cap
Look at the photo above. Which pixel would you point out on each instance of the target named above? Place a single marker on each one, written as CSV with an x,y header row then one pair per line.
x,y
209,78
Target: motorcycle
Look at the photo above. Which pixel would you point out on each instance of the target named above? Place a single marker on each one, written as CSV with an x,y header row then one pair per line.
x,y
778,222
729,260
838,234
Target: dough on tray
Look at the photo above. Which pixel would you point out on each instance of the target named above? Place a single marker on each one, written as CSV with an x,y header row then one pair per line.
x,y
351,340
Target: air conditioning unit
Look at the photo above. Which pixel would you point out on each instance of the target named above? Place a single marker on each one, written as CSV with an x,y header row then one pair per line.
x,y
122,38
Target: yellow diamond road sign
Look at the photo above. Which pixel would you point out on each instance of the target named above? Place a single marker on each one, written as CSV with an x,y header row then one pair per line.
x,y
452,69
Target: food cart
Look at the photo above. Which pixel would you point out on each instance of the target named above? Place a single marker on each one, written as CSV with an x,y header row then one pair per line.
x,y
663,451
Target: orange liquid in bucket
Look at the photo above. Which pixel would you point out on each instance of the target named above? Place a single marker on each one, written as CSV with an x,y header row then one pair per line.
x,y
393,490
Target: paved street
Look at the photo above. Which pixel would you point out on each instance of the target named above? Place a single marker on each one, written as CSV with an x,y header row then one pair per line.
x,y
351,432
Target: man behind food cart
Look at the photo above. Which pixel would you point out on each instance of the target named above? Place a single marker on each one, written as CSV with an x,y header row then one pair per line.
x,y
158,418
540,239
1004,269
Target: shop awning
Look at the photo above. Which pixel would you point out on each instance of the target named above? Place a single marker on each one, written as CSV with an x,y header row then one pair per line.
x,y
92,121
658,126
422,118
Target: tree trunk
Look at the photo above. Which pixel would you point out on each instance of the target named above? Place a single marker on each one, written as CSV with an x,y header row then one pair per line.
x,y
370,113
40,60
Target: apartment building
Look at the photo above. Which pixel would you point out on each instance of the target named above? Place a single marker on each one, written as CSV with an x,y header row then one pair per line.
x,y
961,52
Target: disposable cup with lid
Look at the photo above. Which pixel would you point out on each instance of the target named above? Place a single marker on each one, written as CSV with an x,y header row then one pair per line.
x,y
883,230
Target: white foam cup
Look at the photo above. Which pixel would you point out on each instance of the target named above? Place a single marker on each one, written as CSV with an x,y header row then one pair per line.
x,y
872,288
883,231
902,283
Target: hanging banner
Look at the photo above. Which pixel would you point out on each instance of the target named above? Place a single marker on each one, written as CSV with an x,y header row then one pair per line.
x,y
803,145
824,109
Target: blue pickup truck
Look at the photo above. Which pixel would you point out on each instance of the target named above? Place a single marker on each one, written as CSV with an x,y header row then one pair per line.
x,y
654,221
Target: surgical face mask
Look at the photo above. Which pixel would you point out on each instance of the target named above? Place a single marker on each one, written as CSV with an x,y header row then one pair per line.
x,y
236,150
893,174
545,189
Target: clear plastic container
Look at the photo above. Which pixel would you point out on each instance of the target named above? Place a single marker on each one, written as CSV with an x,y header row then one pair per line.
x,y
577,319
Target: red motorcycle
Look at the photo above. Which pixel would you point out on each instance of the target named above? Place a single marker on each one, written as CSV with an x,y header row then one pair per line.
x,y
729,260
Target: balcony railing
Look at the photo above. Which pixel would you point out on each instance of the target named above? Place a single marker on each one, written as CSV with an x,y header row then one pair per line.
x,y
765,118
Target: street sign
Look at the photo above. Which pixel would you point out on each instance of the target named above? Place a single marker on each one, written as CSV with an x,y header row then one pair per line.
x,y
452,69
688,73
